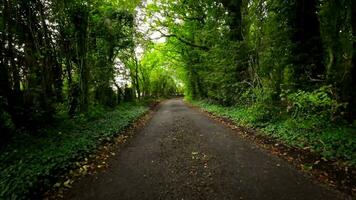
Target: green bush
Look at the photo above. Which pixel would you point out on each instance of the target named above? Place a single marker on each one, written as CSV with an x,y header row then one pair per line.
x,y
318,102
7,127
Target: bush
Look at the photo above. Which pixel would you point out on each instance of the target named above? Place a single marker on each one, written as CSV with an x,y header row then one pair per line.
x,y
6,127
319,102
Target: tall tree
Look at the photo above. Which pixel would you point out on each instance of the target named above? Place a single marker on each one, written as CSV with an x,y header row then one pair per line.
x,y
234,8
308,49
352,102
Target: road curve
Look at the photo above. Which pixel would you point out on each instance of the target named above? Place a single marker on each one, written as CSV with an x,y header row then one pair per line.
x,y
183,154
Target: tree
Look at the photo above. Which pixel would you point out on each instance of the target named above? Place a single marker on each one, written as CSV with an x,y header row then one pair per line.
x,y
59,52
352,102
306,37
234,8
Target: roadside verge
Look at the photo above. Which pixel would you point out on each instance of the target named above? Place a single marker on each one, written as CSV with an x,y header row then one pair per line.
x,y
333,172
32,165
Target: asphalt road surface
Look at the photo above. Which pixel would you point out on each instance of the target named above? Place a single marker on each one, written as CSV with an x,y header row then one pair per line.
x,y
183,154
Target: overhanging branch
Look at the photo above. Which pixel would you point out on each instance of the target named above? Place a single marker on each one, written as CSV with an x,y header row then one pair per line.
x,y
205,48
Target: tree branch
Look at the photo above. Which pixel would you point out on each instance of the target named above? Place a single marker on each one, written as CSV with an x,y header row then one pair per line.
x,y
183,40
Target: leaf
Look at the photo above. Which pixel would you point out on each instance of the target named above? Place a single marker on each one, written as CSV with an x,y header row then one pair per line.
x,y
67,184
306,167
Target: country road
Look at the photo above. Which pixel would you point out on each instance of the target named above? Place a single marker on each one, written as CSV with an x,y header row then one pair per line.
x,y
183,154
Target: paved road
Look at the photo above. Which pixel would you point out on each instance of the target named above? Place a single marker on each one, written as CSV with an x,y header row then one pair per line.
x,y
183,154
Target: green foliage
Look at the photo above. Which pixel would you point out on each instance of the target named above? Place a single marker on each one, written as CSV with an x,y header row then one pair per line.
x,y
331,140
158,75
287,67
6,127
32,162
60,53
257,50
318,102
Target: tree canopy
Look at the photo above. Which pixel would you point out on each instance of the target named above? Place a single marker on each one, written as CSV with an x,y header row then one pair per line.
x,y
246,52
286,67
297,56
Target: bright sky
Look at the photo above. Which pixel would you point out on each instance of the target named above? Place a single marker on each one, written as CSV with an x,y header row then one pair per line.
x,y
143,25
144,28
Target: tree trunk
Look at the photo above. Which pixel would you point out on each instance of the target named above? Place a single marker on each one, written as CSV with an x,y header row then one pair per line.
x,y
137,84
352,102
308,50
54,82
138,90
81,21
235,22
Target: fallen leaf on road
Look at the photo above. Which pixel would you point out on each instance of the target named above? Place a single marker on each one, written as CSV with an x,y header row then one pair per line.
x,y
67,183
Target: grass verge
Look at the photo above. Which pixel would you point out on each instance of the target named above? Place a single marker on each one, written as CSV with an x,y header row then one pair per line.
x,y
330,141
33,162
325,150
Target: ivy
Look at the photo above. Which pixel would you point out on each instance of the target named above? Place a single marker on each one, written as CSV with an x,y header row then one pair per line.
x,y
32,162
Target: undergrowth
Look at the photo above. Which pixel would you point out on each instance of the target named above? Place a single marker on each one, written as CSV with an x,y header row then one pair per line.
x,y
329,139
30,162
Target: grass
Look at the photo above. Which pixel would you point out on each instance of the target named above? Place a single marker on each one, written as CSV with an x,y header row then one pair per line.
x,y
30,162
330,140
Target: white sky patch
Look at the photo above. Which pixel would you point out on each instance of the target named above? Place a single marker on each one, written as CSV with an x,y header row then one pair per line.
x,y
139,51
122,77
143,25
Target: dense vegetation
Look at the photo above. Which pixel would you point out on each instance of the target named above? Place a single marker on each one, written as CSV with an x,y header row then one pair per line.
x,y
69,56
32,163
67,72
271,52
329,141
287,67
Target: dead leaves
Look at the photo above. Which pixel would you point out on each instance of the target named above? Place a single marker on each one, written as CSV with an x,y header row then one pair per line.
x,y
201,160
68,183
95,162
194,155
333,173
84,169
90,165
122,139
306,167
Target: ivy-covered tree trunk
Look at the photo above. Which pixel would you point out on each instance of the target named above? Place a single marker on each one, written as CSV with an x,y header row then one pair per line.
x,y
235,22
81,20
83,84
352,102
5,88
5,52
54,79
308,49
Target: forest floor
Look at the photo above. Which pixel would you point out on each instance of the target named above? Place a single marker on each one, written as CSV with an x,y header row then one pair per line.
x,y
183,154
